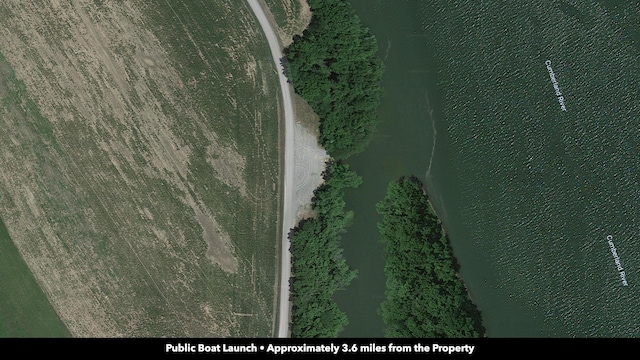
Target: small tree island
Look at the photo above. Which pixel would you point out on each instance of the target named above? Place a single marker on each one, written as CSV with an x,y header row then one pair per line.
x,y
425,296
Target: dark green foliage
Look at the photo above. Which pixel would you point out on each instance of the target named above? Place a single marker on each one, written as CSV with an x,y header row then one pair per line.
x,y
425,298
319,268
334,67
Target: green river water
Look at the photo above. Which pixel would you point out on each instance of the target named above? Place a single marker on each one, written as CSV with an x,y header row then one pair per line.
x,y
537,187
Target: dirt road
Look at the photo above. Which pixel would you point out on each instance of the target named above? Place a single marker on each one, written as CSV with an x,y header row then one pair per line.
x,y
289,201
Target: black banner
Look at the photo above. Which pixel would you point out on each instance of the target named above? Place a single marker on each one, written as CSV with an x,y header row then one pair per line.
x,y
278,348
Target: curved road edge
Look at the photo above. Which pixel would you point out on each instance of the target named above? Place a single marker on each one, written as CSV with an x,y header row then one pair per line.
x,y
289,204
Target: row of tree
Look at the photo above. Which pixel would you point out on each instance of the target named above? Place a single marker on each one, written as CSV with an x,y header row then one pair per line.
x,y
319,269
334,67
424,296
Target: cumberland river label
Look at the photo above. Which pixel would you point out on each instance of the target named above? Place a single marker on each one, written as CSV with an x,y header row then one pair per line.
x,y
616,260
556,87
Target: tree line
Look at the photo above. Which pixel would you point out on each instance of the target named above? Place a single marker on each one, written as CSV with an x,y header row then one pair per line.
x,y
318,267
334,67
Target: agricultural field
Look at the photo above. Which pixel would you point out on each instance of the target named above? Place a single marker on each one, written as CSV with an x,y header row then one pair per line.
x,y
290,16
140,164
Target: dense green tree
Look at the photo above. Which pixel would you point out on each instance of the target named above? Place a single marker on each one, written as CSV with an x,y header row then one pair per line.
x,y
334,67
424,296
318,267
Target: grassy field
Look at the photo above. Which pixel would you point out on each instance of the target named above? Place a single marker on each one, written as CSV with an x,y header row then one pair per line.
x,y
140,167
24,309
290,16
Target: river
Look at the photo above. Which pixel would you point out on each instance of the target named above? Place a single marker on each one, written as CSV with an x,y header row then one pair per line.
x,y
528,150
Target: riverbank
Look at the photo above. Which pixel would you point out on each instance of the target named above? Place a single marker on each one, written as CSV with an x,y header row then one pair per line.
x,y
342,53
